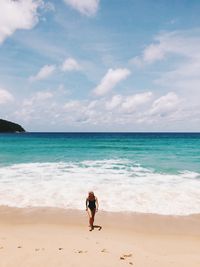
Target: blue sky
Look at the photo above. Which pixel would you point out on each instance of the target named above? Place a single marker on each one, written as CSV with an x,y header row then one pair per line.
x,y
99,65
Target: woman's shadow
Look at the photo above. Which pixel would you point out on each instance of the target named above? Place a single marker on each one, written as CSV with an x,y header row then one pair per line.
x,y
99,227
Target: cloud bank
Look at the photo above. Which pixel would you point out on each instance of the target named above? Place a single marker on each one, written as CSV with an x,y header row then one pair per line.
x,y
118,110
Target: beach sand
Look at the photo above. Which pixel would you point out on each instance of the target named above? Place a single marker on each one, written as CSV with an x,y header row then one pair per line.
x,y
55,237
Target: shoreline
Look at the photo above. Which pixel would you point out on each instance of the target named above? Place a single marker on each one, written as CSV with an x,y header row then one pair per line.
x,y
38,237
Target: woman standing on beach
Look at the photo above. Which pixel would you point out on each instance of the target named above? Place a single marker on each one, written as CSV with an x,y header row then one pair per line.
x,y
92,206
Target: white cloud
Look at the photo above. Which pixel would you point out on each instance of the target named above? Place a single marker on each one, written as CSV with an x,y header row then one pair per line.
x,y
41,96
110,80
48,6
85,7
70,64
79,112
182,74
72,105
168,113
5,96
178,73
131,103
158,50
114,102
128,104
43,73
165,104
39,107
181,43
38,97
16,15
46,71
153,53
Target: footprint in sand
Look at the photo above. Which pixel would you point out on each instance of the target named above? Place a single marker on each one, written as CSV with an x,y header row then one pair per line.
x,y
60,248
130,263
38,249
81,251
19,247
1,247
125,256
104,250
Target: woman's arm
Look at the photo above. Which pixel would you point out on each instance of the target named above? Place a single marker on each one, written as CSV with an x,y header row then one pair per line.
x,y
86,203
97,204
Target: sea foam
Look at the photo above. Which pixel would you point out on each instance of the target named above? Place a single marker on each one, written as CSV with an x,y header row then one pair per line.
x,y
120,185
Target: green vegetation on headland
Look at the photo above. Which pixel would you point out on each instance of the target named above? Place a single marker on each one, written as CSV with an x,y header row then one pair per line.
x,y
10,127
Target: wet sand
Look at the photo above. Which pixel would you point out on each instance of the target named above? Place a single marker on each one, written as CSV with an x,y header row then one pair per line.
x,y
55,237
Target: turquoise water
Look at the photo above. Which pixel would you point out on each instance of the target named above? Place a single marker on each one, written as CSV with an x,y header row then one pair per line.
x,y
162,152
151,172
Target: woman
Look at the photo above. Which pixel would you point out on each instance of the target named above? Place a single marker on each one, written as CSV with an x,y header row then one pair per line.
x,y
92,206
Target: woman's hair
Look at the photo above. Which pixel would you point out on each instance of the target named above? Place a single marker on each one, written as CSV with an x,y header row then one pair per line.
x,y
91,193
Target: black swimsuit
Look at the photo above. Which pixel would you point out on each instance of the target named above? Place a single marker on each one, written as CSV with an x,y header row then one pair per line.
x,y
92,204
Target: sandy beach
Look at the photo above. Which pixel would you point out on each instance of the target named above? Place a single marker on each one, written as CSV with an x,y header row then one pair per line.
x,y
55,237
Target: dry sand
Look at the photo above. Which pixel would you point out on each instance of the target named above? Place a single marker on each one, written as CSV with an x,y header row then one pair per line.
x,y
53,237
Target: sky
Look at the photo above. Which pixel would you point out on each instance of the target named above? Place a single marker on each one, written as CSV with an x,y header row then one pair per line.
x,y
100,65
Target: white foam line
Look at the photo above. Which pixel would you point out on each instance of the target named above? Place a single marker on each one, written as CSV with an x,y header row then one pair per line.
x,y
121,185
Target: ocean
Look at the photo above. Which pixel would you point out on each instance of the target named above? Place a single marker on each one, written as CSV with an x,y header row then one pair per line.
x,y
130,172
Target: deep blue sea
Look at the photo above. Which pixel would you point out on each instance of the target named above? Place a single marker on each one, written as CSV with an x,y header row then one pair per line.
x,y
133,172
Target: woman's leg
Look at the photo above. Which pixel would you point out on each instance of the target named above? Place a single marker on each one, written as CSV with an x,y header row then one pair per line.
x,y
91,214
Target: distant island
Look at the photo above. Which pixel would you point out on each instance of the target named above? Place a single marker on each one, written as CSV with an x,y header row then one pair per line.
x,y
10,127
